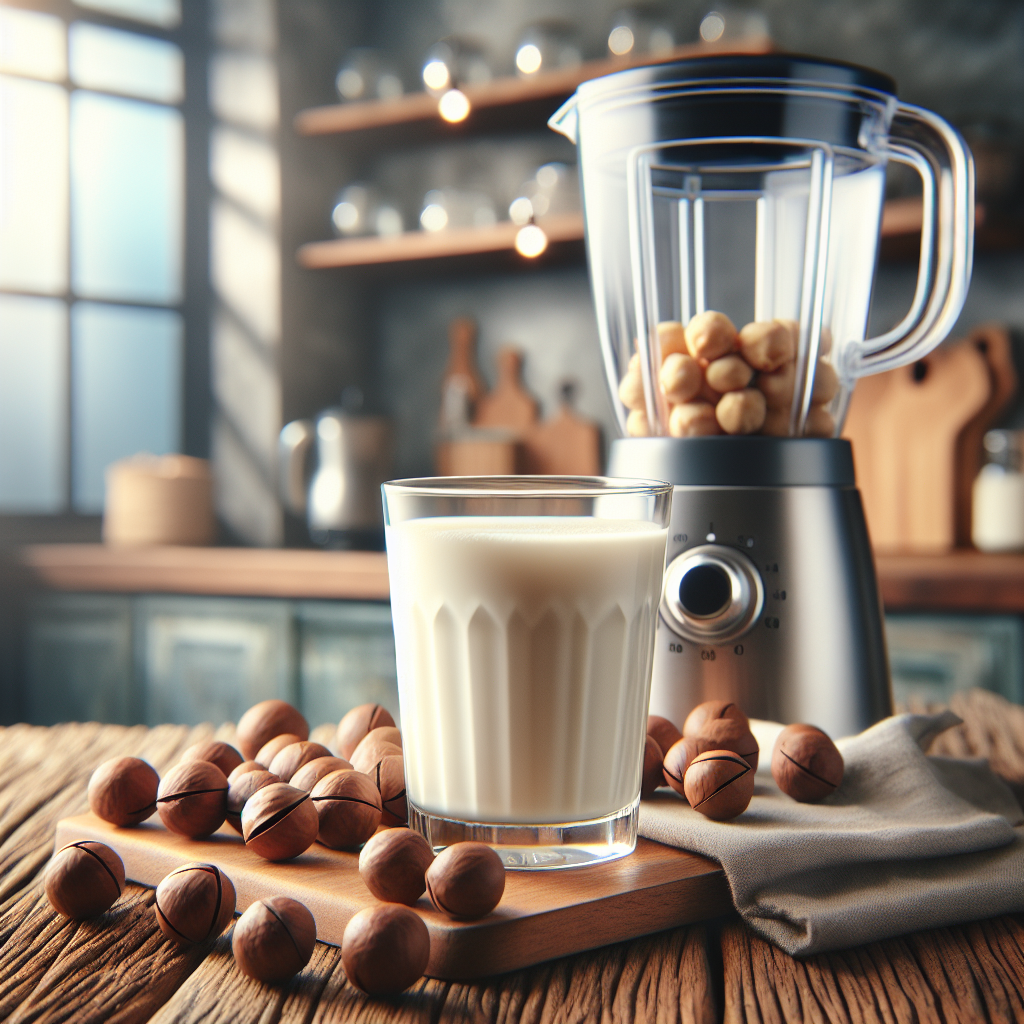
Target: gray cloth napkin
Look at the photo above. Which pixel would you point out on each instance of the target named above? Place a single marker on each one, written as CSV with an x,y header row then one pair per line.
x,y
907,841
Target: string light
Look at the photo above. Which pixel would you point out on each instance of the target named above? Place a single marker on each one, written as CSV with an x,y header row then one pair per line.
x,y
454,106
531,241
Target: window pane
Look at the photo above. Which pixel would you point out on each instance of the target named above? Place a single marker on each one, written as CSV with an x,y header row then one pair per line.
x,y
127,199
166,13
32,44
33,421
33,186
126,372
104,58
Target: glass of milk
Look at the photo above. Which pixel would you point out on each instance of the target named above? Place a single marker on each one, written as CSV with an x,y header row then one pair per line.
x,y
524,612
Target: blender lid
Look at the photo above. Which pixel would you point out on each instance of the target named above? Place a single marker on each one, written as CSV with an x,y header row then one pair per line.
x,y
718,69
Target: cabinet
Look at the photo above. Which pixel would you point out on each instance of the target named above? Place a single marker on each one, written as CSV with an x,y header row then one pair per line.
x,y
187,659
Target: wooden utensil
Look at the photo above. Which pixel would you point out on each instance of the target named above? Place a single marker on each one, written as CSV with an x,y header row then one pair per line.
x,y
565,444
542,914
462,334
904,426
509,404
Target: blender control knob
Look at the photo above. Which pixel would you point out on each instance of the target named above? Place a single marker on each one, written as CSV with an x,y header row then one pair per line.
x,y
712,594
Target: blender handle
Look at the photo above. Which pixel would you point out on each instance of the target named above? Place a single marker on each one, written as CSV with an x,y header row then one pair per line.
x,y
924,141
293,444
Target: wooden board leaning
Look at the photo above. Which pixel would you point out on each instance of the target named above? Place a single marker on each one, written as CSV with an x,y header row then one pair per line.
x,y
542,915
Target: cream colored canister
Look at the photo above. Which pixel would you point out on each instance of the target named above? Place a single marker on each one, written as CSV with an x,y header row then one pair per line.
x,y
159,500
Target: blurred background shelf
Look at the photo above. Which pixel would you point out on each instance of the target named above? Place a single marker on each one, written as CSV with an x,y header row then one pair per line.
x,y
246,572
505,103
901,231
966,581
565,239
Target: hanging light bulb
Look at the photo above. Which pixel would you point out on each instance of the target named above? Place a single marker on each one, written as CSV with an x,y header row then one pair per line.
x,y
531,241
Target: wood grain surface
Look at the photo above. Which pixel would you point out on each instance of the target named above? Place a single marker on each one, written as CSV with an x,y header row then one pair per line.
x,y
120,968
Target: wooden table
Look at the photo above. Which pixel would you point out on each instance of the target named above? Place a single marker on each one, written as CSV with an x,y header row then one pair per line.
x,y
120,968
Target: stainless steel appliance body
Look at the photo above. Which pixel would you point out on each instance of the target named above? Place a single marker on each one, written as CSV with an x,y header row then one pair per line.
x,y
769,597
341,499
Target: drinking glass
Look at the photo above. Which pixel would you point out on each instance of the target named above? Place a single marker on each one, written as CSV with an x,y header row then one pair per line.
x,y
524,611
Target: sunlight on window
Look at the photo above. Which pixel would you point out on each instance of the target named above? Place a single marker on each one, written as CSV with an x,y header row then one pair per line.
x,y
127,199
165,13
33,186
113,61
126,374
32,44
33,403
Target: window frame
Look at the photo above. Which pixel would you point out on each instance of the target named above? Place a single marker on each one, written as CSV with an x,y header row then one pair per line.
x,y
192,37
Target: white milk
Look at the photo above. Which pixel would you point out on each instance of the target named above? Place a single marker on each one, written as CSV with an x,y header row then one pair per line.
x,y
524,662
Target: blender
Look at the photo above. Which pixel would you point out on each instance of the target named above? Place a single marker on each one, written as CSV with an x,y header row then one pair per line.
x,y
754,186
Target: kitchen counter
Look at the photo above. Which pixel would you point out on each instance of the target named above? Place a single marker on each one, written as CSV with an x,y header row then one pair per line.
x,y
119,967
961,581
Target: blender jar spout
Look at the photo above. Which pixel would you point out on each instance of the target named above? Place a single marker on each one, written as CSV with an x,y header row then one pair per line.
x,y
565,119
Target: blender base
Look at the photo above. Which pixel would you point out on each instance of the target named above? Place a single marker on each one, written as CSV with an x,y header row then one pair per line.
x,y
799,638
540,847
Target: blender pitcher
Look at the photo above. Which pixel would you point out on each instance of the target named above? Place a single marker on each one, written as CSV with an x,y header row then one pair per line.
x,y
754,185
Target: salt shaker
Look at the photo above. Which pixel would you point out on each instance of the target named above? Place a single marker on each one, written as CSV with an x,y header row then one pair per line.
x,y
997,521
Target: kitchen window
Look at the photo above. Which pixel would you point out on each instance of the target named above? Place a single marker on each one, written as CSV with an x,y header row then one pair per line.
x,y
93,214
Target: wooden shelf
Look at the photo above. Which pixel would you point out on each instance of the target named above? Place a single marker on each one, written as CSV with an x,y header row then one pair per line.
x,y
901,218
962,581
967,581
513,96
565,229
244,572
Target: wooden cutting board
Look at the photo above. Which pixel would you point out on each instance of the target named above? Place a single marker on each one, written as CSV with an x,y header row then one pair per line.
x,y
542,915
509,404
565,444
905,426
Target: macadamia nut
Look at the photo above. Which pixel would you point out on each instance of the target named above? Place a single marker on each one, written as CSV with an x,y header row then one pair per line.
x,y
826,383
767,345
631,390
777,386
680,377
819,423
741,412
693,419
637,424
671,337
730,373
709,335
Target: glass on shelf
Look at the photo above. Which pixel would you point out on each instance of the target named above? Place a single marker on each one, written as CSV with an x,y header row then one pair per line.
x,y
454,62
457,208
728,23
553,189
359,209
641,28
366,74
547,45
